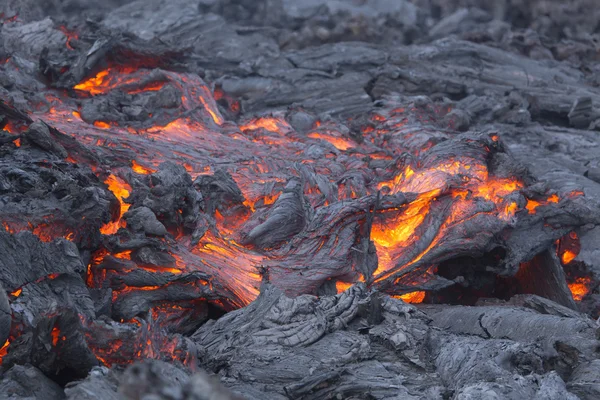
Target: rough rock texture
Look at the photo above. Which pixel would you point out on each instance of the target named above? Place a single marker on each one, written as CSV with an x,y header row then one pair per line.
x,y
333,345
246,188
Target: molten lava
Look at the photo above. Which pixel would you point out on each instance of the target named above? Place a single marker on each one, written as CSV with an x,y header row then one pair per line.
x,y
580,288
70,35
413,297
342,286
4,350
568,256
55,336
436,182
140,169
107,80
268,123
338,142
532,205
568,248
121,190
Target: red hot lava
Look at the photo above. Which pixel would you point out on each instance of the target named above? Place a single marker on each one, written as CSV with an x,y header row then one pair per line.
x,y
414,209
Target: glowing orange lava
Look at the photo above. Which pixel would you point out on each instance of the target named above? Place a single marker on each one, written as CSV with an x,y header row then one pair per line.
x,y
395,230
568,256
106,80
4,350
342,286
151,87
532,205
398,229
92,84
259,156
568,247
338,142
265,200
121,190
412,297
213,111
241,265
580,288
101,124
269,123
55,335
140,169
69,35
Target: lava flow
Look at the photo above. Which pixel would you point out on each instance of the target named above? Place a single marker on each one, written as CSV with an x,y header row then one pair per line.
x,y
199,210
121,191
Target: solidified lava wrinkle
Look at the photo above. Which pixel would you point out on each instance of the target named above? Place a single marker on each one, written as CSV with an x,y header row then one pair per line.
x,y
182,205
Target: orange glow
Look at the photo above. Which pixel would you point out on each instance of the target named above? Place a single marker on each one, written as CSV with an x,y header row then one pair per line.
x,y
179,128
70,36
576,193
97,258
496,189
101,124
140,169
151,87
17,142
144,288
396,231
125,255
214,113
173,271
92,84
44,232
443,189
13,128
510,210
269,123
106,80
180,263
121,190
427,179
580,288
9,128
128,289
17,292
342,286
230,263
338,142
4,350
367,129
568,256
532,205
55,335
412,297
8,228
266,200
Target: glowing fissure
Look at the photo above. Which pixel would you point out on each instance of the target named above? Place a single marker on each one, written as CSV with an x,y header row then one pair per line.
x,y
121,190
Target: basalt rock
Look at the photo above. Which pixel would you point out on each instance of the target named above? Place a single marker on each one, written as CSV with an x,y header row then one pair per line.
x,y
232,199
